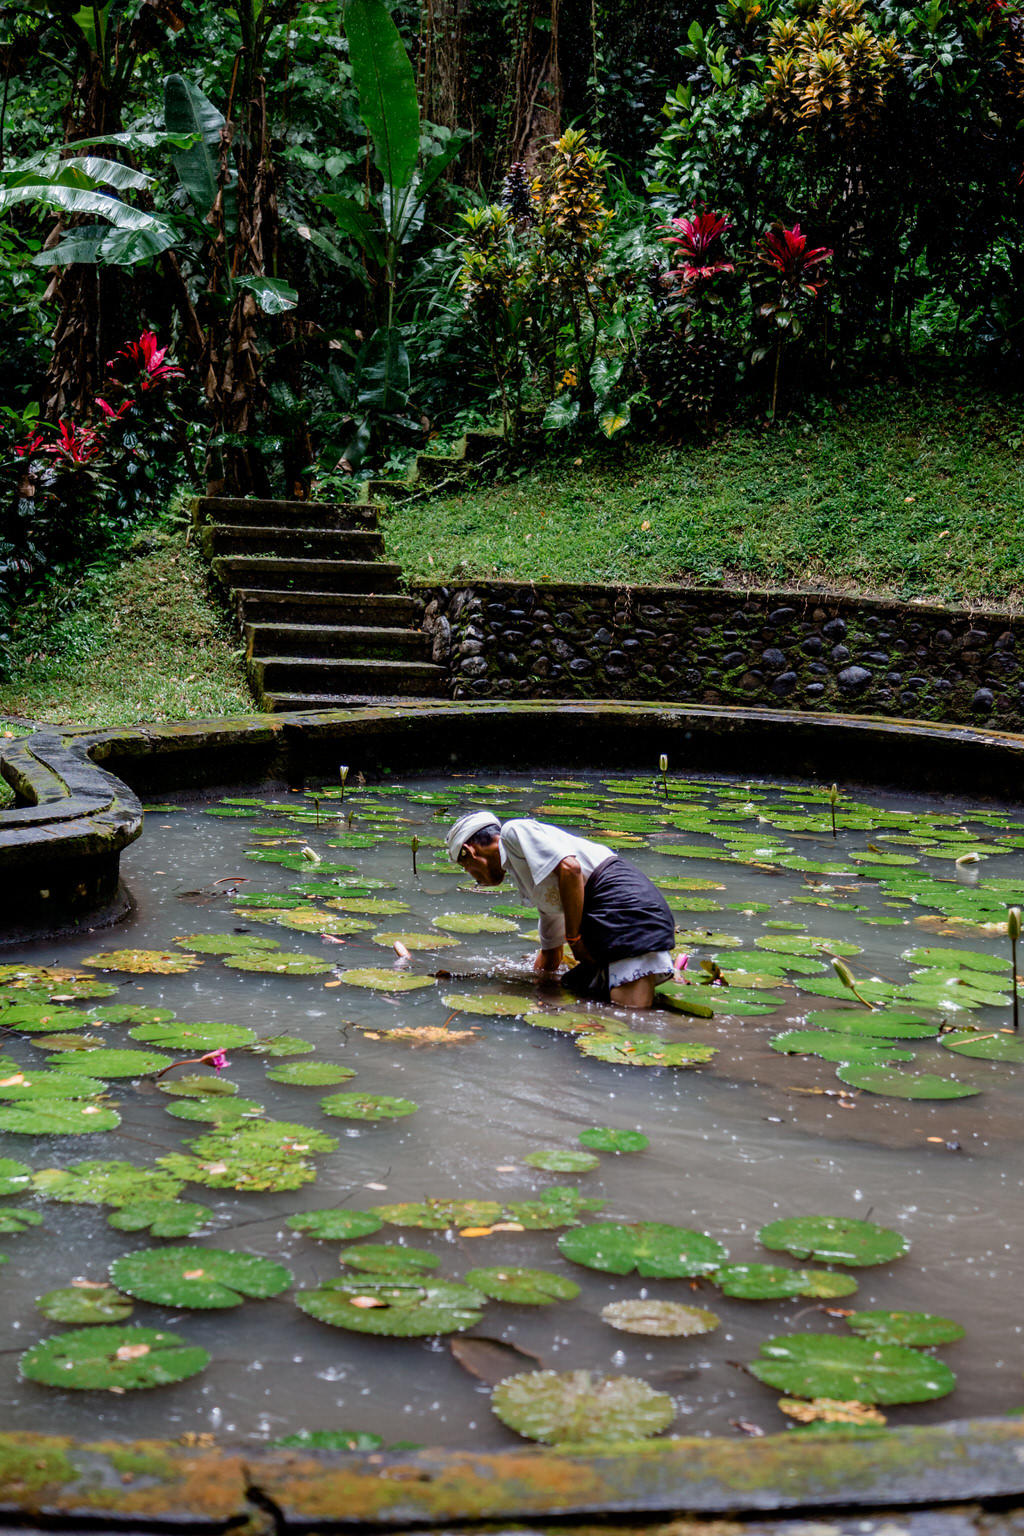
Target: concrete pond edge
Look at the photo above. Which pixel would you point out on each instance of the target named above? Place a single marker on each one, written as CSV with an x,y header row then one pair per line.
x,y
80,803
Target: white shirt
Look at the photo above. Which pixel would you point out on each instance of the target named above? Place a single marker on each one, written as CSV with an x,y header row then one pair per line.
x,y
532,851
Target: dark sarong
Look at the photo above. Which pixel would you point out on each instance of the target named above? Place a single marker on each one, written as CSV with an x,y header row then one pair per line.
x,y
624,914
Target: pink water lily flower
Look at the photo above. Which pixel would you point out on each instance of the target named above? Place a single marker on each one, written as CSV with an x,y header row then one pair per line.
x,y
217,1060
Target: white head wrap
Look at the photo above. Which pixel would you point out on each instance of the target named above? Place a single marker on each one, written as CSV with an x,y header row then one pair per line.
x,y
464,829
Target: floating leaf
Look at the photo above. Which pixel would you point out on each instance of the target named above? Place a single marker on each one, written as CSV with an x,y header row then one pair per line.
x,y
437,1215
608,1139
818,1365
331,1440
336,1226
214,1110
834,1240
415,940
198,1277
883,1026
314,921
15,1221
566,1407
162,1218
528,1287
386,981
130,1013
310,1074
423,1034
98,1359
59,1117
106,1062
43,1084
105,1182
652,1248
144,962
194,1037
389,1259
284,1045
771,1282
996,1045
475,922
557,1161
225,943
195,1085
834,1045
568,1023
912,1328
645,1050
950,959
682,998
367,1106
660,1319
38,1018
398,1309
371,904
279,964
897,1084
14,1176
830,1410
85,1304
491,1004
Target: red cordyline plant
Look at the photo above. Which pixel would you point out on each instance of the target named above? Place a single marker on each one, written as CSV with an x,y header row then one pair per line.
x,y
74,445
784,251
142,361
698,241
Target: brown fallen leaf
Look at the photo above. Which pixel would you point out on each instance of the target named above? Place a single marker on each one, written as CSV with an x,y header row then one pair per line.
x,y
831,1410
492,1360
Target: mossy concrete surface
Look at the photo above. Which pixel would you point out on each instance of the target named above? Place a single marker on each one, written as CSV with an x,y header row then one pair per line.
x,y
152,1486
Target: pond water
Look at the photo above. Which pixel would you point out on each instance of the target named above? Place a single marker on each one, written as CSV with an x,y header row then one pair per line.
x,y
761,888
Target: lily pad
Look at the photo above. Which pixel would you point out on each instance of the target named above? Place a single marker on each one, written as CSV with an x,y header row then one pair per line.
x,y
882,1025
771,1282
996,1045
682,998
39,1018
198,1277
608,1139
389,1259
129,1013
13,1221
475,922
897,1084
654,1249
911,1328
398,1309
105,1182
99,1359
555,1160
197,1085
162,1218
573,1407
283,1045
197,1038
645,1050
314,921
367,1106
833,1045
377,906
527,1287
214,1110
438,1215
415,940
104,1062
491,1004
279,964
144,962
43,1084
14,1176
336,1225
310,1074
225,943
834,1240
85,1305
819,1365
386,981
564,1022
659,1319
59,1117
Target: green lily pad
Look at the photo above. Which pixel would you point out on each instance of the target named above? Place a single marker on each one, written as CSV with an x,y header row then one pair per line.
x,y
834,1240
556,1161
331,1440
279,964
527,1287
277,901
162,1218
14,1221
130,1013
566,1407
215,1111
565,1023
995,1046
68,1042
59,1117
438,1215
609,1139
475,922
386,981
225,943
313,921
39,1018
336,1225
283,1045
376,906
911,1328
415,940
770,1282
491,1004
818,1365
654,1249
397,1309
897,1084
252,1155
98,1359
14,1176
389,1259
197,1085
559,1206
144,962
310,1074
804,944
951,959
367,1106
105,1182
85,1305
296,861
44,1084
198,1277
194,1037
834,1045
659,1319
682,998
883,1025
645,1050
104,1062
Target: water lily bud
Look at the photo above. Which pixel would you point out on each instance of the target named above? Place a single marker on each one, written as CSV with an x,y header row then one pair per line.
x,y
663,763
343,773
844,973
310,854
833,794
1013,921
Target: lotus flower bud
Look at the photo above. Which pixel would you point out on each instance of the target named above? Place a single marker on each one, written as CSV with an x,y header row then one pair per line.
x,y
1013,922
663,763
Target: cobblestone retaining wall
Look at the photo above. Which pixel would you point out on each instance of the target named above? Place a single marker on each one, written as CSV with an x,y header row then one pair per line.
x,y
807,651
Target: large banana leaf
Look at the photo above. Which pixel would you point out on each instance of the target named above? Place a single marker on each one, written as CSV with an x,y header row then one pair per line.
x,y
99,245
188,111
384,376
81,197
271,294
386,86
354,219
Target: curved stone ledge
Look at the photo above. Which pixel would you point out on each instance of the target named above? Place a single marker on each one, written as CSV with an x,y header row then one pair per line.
x,y
60,848
156,1486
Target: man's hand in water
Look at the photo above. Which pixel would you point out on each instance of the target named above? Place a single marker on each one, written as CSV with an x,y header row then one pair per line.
x,y
548,959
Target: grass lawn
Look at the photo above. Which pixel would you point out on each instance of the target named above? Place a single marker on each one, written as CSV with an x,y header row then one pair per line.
x,y
907,493
139,642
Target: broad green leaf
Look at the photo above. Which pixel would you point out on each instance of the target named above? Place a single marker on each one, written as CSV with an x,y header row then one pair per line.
x,y
608,1139
85,1304
992,1045
388,1259
819,1365
106,1062
194,1038
897,1084
98,1359
105,1182
198,1277
335,1225
492,1004
367,1106
14,1176
558,1161
911,1328
645,1050
574,1407
279,964
58,1117
383,77
834,1240
769,1282
652,1248
386,981
399,1309
834,1045
272,294
527,1287
310,1074
188,111
475,922
659,1319
162,1218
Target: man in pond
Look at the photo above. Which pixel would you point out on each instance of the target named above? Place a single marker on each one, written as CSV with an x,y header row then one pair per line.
x,y
616,923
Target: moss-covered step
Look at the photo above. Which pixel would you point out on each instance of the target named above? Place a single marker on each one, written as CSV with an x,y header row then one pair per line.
x,y
322,682
366,642
307,575
231,511
386,610
302,543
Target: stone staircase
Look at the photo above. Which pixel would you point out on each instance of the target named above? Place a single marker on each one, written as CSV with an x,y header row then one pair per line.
x,y
322,613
